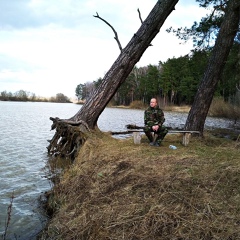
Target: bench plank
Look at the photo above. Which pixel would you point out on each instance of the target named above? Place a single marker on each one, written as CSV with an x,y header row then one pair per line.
x,y
185,140
182,131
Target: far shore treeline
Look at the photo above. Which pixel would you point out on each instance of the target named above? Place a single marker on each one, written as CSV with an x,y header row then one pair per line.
x,y
24,96
174,82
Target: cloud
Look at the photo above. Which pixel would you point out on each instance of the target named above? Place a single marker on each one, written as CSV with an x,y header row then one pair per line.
x,y
49,47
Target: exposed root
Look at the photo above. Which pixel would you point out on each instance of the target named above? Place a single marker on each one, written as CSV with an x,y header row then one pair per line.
x,y
68,139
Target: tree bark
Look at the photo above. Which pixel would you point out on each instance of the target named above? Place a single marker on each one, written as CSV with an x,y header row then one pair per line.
x,y
124,64
69,136
229,27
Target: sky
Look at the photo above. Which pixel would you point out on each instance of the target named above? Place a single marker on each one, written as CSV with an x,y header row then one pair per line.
x,y
51,46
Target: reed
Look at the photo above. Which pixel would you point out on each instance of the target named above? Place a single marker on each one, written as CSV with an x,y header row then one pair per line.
x,y
8,218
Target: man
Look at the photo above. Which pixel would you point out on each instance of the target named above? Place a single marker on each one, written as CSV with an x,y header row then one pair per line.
x,y
153,121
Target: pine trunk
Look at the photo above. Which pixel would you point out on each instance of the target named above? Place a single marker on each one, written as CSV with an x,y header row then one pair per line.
x,y
229,27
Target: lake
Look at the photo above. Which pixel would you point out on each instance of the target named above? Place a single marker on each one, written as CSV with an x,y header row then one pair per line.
x,y
25,129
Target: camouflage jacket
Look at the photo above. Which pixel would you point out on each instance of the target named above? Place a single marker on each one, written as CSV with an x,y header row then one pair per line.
x,y
153,116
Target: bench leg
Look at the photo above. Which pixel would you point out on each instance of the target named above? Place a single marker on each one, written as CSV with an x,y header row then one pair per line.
x,y
186,138
136,137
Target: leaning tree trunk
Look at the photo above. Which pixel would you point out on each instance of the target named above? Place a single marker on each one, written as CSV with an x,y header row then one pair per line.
x,y
229,27
66,139
124,64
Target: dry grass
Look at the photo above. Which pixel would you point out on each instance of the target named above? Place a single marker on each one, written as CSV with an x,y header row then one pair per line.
x,y
118,190
219,108
138,105
173,108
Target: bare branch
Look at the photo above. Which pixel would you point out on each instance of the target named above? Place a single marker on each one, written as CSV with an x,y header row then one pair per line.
x,y
116,35
139,14
140,17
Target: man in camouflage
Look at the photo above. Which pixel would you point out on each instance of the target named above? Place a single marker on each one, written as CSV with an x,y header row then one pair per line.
x,y
153,121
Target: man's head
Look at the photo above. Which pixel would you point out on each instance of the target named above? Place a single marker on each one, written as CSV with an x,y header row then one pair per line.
x,y
153,102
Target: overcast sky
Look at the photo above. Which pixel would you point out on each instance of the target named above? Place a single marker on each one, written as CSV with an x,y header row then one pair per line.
x,y
51,46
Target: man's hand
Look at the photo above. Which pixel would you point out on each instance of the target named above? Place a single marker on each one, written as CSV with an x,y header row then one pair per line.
x,y
155,128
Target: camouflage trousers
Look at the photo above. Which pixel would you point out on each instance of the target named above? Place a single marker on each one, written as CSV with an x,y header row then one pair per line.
x,y
161,133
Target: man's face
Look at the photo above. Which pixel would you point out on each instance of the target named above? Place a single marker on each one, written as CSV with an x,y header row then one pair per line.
x,y
153,103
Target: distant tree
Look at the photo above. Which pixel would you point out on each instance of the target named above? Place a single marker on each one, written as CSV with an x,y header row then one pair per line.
x,y
4,96
142,72
79,92
97,83
32,97
174,72
184,82
231,74
153,82
61,98
136,83
21,95
191,75
90,88
84,91
125,93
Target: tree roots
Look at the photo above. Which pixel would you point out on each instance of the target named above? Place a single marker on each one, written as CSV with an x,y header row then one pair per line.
x,y
68,139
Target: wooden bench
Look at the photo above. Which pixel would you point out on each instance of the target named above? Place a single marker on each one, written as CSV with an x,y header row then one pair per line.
x,y
186,135
185,140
